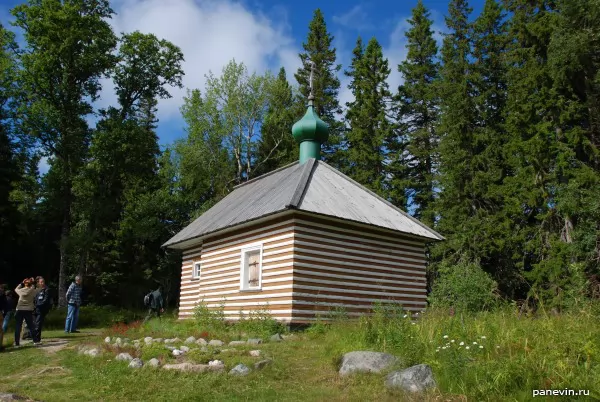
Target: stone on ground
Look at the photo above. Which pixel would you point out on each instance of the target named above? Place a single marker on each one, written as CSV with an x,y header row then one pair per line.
x,y
215,342
107,339
184,349
366,362
237,343
154,362
118,341
201,342
191,339
215,363
276,338
12,397
124,357
262,364
92,352
254,341
136,363
148,340
413,379
158,340
177,352
255,353
240,370
197,368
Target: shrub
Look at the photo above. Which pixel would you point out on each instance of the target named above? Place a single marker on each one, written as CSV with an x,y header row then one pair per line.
x,y
92,316
464,286
210,319
259,322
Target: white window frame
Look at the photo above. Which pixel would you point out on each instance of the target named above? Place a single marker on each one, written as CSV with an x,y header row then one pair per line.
x,y
245,269
196,270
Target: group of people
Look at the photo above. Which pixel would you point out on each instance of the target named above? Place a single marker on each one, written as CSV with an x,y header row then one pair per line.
x,y
30,302
32,306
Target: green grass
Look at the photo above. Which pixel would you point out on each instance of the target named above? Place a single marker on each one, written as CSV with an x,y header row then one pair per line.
x,y
519,354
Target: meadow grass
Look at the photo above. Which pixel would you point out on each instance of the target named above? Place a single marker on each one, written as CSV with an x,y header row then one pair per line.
x,y
508,356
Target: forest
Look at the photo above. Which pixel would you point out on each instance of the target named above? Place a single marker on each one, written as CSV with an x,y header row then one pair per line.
x,y
492,139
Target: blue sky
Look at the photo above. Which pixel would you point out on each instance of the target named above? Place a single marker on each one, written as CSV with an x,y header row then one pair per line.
x,y
264,34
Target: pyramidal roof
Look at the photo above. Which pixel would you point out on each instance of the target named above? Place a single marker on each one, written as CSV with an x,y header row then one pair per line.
x,y
313,187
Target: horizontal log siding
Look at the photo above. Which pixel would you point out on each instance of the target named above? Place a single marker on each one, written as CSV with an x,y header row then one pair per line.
x,y
341,266
219,284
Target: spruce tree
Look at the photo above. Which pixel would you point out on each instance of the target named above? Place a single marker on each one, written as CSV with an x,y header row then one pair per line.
x,y
367,116
413,151
277,147
318,49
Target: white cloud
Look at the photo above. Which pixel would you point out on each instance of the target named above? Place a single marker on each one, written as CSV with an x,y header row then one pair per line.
x,y
210,34
355,18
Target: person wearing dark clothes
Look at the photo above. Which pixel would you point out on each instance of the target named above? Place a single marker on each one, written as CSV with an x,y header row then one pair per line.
x,y
156,306
42,307
25,306
9,309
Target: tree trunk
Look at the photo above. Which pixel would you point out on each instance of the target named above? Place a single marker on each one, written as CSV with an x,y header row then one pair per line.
x,y
64,238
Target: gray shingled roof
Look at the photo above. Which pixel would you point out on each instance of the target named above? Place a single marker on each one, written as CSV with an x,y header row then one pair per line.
x,y
312,187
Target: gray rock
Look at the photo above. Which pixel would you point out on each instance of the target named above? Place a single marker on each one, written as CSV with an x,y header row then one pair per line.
x,y
158,340
255,353
177,352
154,362
191,339
199,368
215,342
176,340
215,363
262,364
136,363
124,357
169,340
413,379
12,397
107,339
276,338
118,341
254,341
240,370
148,340
237,343
92,352
201,342
184,349
366,362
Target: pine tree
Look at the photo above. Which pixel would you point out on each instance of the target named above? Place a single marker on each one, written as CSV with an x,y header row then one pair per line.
x,y
277,146
473,166
551,151
413,158
318,49
367,116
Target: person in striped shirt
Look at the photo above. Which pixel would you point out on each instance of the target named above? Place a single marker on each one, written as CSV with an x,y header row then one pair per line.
x,y
73,304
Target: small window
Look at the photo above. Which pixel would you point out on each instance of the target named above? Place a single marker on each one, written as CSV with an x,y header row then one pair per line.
x,y
251,268
196,271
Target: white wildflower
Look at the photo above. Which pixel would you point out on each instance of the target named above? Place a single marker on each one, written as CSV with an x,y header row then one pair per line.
x,y
405,315
466,347
462,343
483,337
480,346
413,323
474,343
452,341
497,346
445,336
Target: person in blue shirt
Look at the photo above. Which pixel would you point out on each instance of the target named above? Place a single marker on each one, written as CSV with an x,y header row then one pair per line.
x,y
73,304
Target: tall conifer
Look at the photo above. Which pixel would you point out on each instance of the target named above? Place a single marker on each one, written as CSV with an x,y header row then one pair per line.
x,y
367,116
413,152
318,49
